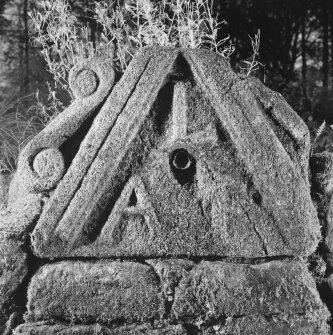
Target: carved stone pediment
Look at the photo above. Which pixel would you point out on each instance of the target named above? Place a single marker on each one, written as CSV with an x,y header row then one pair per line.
x,y
180,157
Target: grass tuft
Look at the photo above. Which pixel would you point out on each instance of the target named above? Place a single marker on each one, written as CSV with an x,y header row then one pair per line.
x,y
17,128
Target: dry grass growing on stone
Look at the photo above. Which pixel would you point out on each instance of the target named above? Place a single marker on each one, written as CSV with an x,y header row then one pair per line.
x,y
125,27
168,23
16,130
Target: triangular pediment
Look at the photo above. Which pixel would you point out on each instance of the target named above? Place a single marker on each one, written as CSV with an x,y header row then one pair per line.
x,y
183,158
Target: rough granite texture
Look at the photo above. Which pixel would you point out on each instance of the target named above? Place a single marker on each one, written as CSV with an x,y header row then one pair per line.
x,y
94,291
306,324
170,273
14,237
253,325
62,329
214,289
4,185
32,176
201,295
243,193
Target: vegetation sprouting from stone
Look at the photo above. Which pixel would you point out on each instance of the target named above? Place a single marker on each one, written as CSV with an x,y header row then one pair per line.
x,y
123,28
41,40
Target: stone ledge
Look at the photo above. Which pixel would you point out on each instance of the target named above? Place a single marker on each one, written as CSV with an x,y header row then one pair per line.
x,y
274,325
180,292
62,329
250,325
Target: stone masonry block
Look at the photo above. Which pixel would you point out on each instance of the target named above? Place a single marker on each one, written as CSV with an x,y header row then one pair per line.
x,y
182,157
102,291
304,324
62,329
214,290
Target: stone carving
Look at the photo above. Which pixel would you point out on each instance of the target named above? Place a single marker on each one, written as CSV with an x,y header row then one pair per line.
x,y
220,188
175,202
90,82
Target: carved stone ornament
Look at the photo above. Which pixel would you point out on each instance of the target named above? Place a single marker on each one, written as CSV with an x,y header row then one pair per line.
x,y
194,180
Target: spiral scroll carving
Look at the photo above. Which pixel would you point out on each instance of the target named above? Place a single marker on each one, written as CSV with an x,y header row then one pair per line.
x,y
84,79
49,166
84,83
41,164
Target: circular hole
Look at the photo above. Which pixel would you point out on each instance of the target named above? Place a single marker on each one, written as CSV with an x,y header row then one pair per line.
x,y
181,159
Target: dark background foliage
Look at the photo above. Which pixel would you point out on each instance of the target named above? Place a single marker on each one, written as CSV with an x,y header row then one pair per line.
x,y
296,50
296,53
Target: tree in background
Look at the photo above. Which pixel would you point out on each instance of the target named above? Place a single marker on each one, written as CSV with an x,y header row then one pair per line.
x,y
67,34
296,45
21,75
296,50
20,68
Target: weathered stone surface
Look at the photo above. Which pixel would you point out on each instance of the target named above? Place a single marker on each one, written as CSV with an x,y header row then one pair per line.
x,y
4,186
14,237
251,325
213,290
306,324
17,222
13,269
183,158
102,291
61,329
170,272
59,139
49,165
